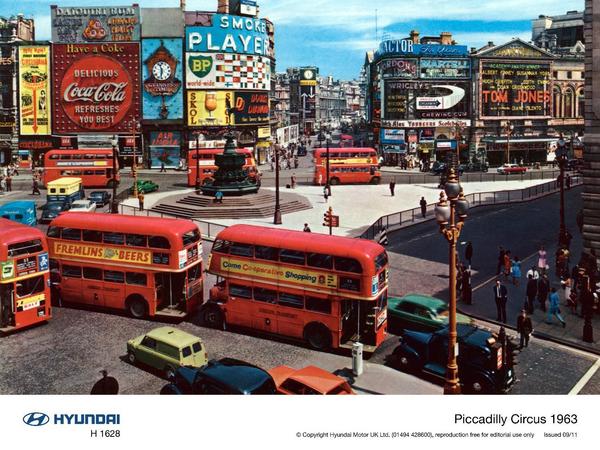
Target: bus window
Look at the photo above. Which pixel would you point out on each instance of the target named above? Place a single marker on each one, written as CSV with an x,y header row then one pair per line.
x,y
221,246
347,265
136,240
24,248
92,273
265,295
158,242
235,290
381,261
190,237
292,300
134,278
30,286
195,273
114,276
241,250
292,257
113,238
71,271
318,305
71,234
267,253
92,236
320,260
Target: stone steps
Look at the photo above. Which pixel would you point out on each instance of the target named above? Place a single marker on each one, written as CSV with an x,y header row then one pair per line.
x,y
229,213
205,201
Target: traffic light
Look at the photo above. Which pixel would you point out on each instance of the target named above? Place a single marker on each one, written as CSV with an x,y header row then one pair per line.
x,y
327,219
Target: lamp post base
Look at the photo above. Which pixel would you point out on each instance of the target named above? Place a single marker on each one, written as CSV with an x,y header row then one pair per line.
x,y
452,385
277,217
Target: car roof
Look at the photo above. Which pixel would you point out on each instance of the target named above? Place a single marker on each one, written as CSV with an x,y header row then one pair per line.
x,y
316,378
425,300
472,334
172,336
80,202
237,375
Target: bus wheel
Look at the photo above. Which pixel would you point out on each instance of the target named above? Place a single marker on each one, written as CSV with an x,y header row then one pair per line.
x,y
375,180
212,316
317,336
137,307
334,181
131,357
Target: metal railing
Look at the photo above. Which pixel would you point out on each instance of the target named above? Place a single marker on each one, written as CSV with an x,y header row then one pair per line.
x,y
469,177
409,217
209,230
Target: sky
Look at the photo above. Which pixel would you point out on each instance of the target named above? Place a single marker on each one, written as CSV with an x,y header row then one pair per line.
x,y
334,35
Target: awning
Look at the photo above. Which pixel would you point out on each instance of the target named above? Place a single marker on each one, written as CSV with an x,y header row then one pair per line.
x,y
516,140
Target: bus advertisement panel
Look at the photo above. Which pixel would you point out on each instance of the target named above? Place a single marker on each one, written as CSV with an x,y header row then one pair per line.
x,y
94,166
347,165
328,291
24,276
144,265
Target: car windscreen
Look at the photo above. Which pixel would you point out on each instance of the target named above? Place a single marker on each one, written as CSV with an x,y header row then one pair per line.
x,y
267,388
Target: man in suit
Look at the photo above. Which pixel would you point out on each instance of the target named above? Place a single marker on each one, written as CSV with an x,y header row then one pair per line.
x,y
531,292
543,288
500,296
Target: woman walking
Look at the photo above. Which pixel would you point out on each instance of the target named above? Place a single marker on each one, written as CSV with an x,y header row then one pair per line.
x,y
542,259
507,264
515,270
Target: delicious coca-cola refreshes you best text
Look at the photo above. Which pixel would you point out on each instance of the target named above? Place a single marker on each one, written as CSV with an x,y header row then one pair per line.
x,y
96,87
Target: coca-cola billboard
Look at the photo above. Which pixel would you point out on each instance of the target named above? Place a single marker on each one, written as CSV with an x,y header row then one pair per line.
x,y
96,87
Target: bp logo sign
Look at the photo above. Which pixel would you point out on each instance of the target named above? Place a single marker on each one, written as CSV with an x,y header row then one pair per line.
x,y
36,419
200,65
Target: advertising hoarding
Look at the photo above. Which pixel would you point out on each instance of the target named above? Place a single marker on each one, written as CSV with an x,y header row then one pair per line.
x,y
251,108
227,71
208,108
407,47
392,136
445,68
230,34
164,149
95,24
162,76
399,68
515,89
95,87
34,90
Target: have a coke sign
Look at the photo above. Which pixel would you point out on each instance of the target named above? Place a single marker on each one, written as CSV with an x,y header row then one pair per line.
x,y
96,87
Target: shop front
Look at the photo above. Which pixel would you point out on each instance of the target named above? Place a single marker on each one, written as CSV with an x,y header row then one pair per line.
x,y
524,151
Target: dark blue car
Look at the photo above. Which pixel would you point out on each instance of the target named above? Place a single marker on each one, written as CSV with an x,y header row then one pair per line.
x,y
100,198
225,376
485,365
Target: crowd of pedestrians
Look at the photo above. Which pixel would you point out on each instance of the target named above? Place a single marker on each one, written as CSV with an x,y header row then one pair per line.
x,y
6,177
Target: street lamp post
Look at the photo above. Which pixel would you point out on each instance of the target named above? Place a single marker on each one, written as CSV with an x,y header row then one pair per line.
x,y
114,209
277,213
197,163
134,126
327,186
509,129
452,204
561,158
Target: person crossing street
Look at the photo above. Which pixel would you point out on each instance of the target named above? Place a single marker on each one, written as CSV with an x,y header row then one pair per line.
x,y
501,298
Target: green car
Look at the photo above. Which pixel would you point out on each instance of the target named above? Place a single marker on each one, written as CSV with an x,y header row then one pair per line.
x,y
145,186
419,313
166,349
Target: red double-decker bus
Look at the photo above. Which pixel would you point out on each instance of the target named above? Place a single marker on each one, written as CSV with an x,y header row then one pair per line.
x,y
328,291
24,276
146,266
94,166
347,166
208,167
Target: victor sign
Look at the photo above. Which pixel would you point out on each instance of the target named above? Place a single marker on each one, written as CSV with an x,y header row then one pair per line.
x,y
96,87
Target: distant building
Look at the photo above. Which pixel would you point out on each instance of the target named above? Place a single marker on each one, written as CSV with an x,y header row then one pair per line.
x,y
559,34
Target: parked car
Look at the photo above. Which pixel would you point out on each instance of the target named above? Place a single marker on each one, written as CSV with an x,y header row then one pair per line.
x,y
485,365
419,312
166,349
145,187
83,206
507,169
439,168
51,210
100,198
310,380
477,167
226,376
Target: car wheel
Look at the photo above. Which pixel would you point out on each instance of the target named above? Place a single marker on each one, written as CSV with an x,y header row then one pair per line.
x,y
212,316
169,373
137,308
317,336
131,357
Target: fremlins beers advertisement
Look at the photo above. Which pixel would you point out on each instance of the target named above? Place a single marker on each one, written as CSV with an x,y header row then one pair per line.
x,y
96,87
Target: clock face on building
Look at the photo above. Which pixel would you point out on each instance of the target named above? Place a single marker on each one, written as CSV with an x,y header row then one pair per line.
x,y
308,74
161,71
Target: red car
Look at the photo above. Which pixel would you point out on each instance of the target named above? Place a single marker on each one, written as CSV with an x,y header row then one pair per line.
x,y
310,380
507,169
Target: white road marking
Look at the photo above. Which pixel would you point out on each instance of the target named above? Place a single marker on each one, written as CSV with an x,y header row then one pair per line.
x,y
585,378
489,280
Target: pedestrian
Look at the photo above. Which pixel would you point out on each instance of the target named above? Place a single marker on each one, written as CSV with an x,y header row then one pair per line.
x,y
293,181
568,181
542,259
306,228
2,185
469,253
218,197
320,179
8,183
288,162
325,193
515,270
36,187
542,291
566,285
467,290
562,261
533,272
507,264
423,204
296,162
392,187
272,165
524,328
141,201
162,166
554,309
531,293
501,297
501,253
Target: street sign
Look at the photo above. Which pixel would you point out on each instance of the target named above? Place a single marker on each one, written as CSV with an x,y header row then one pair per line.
x,y
335,221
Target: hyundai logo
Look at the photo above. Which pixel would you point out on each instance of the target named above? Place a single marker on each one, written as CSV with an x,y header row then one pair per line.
x,y
36,419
